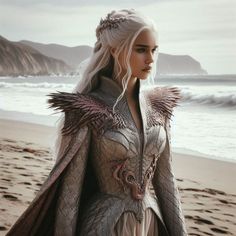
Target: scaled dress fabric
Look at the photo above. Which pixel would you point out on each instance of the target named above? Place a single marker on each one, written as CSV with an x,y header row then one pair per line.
x,y
110,178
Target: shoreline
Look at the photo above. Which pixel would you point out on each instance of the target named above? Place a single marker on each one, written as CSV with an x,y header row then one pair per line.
x,y
185,151
26,117
51,120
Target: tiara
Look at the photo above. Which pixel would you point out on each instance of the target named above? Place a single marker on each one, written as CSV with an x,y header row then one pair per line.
x,y
108,23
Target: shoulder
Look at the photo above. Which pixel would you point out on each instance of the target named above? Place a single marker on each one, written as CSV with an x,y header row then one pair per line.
x,y
81,110
161,101
65,101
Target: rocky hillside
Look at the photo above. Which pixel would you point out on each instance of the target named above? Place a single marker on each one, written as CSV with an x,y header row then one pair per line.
x,y
19,59
30,58
178,64
72,56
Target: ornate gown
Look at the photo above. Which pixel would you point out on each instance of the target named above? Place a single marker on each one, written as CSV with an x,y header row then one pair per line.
x,y
109,177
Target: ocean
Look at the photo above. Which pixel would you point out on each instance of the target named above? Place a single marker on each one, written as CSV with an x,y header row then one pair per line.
x,y
204,123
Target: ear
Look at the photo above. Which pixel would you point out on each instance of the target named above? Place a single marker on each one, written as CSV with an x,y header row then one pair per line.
x,y
112,51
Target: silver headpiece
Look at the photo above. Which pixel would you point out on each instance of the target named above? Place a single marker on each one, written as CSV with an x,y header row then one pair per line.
x,y
108,23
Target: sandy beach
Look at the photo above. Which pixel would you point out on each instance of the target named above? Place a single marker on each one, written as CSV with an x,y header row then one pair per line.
x,y
207,187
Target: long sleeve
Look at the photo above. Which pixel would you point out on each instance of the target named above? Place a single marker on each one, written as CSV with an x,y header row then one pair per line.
x,y
56,204
167,192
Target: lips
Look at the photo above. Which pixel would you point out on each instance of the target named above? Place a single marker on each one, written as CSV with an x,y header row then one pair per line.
x,y
148,68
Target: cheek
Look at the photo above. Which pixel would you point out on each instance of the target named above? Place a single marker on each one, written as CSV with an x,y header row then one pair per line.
x,y
136,60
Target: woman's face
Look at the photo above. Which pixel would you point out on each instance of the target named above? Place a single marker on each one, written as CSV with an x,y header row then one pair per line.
x,y
142,55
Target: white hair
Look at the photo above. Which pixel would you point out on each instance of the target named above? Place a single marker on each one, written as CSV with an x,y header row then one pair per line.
x,y
102,62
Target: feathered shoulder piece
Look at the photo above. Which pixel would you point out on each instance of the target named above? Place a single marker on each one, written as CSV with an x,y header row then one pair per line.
x,y
161,100
84,109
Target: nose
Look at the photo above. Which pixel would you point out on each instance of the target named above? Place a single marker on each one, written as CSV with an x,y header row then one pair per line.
x,y
149,58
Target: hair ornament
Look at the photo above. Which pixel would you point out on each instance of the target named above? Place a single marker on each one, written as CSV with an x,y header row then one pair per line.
x,y
109,23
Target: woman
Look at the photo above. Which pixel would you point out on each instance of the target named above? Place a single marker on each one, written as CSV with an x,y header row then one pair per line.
x,y
113,173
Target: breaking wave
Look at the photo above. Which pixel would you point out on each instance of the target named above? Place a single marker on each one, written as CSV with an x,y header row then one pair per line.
x,y
210,99
43,85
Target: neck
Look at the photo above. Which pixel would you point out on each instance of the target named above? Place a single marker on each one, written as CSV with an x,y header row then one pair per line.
x,y
132,88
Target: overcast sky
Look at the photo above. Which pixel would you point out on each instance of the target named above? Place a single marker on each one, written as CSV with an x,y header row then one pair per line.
x,y
203,29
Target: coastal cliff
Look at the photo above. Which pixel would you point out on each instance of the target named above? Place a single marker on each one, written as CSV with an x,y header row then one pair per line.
x,y
19,59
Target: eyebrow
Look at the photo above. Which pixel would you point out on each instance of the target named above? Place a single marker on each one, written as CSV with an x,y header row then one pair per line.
x,y
145,46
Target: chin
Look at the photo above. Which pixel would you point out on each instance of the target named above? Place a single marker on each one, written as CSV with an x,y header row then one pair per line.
x,y
143,77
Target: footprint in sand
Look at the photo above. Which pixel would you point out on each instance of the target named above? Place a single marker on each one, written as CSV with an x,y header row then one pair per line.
x,y
226,214
8,180
10,197
194,227
19,168
28,157
2,228
180,180
216,230
26,175
208,211
226,202
25,183
206,233
215,218
33,166
199,220
199,203
214,191
29,150
206,190
1,187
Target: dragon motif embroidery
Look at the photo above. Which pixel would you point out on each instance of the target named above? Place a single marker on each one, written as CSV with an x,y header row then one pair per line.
x,y
84,109
127,178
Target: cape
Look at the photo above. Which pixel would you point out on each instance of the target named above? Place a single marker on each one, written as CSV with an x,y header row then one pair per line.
x,y
106,166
